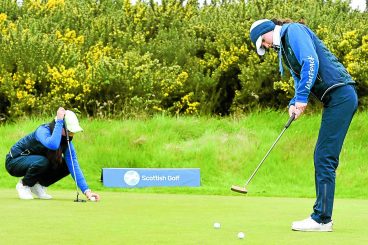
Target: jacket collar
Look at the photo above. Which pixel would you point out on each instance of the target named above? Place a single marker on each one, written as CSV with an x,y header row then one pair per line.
x,y
281,33
277,36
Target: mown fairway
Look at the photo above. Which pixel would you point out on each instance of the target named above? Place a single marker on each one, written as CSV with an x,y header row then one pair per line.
x,y
139,218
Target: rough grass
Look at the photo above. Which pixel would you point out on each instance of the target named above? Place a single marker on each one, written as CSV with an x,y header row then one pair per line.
x,y
227,150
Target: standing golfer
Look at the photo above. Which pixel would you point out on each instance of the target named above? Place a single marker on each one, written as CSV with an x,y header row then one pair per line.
x,y
43,158
315,71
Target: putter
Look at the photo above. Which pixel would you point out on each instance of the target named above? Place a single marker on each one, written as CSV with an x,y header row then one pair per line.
x,y
71,158
243,190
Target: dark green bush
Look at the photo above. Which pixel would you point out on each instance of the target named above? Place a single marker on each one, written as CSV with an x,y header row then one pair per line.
x,y
112,58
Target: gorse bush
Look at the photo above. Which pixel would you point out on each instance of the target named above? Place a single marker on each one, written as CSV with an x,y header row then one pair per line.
x,y
113,58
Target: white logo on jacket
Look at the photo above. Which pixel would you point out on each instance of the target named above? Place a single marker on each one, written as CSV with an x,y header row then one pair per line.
x,y
310,72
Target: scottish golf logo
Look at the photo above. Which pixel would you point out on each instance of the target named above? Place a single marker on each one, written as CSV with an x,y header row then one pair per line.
x,y
131,178
145,177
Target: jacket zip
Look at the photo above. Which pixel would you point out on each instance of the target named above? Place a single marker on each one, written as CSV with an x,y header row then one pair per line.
x,y
318,77
289,62
324,199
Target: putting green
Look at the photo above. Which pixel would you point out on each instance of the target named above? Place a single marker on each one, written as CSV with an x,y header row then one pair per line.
x,y
141,218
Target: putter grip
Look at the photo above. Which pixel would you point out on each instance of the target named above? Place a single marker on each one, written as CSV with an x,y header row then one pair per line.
x,y
66,131
291,119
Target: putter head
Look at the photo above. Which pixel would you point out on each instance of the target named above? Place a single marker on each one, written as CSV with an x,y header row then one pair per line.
x,y
239,189
79,200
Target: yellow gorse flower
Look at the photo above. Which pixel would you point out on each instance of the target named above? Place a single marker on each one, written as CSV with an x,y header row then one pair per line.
x,y
69,37
3,18
51,4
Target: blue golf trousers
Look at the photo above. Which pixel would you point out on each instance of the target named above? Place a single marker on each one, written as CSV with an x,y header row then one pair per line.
x,y
35,168
340,106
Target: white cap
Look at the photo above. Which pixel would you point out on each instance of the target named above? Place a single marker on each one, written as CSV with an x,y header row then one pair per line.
x,y
71,122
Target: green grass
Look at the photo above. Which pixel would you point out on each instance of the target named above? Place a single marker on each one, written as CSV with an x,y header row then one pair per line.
x,y
227,150
134,218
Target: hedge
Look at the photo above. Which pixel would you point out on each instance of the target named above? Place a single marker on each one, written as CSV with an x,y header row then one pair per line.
x,y
113,58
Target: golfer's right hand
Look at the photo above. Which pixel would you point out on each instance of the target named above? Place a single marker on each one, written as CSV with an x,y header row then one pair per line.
x,y
90,194
297,112
60,113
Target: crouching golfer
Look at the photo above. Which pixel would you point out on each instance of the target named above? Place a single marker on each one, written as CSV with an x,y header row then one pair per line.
x,y
43,158
315,71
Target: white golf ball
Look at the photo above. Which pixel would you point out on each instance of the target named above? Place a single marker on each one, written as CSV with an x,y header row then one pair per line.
x,y
241,235
92,199
217,225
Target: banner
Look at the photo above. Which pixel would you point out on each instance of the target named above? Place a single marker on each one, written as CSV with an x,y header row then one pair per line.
x,y
150,177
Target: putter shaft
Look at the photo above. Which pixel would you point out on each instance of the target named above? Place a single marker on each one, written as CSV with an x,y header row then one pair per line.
x,y
243,189
264,158
71,159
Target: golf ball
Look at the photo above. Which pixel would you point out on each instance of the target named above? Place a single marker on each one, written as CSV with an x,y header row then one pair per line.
x,y
92,199
217,225
241,235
